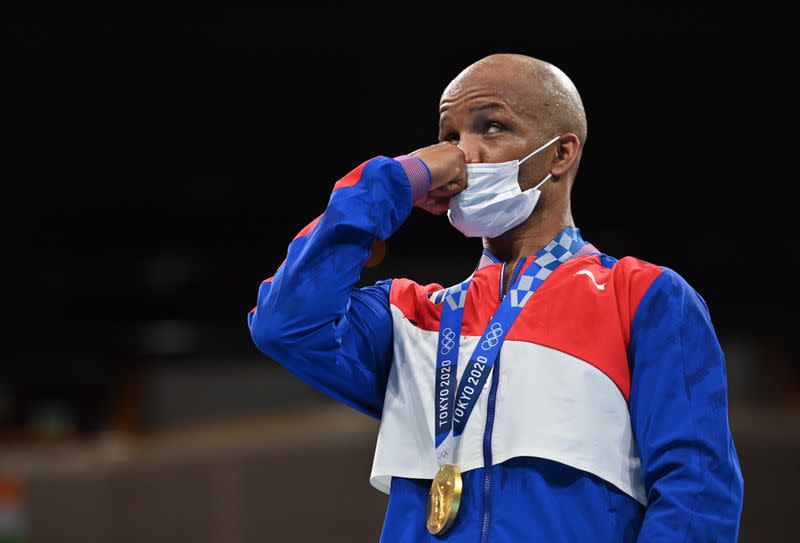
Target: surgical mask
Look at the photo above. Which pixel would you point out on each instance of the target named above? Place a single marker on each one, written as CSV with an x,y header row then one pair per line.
x,y
493,202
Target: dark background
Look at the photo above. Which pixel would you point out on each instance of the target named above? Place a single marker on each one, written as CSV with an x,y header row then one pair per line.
x,y
156,168
162,164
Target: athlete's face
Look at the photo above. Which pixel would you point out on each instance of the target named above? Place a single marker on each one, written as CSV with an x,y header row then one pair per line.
x,y
493,118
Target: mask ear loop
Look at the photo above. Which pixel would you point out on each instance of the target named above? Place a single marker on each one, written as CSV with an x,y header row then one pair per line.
x,y
545,146
549,175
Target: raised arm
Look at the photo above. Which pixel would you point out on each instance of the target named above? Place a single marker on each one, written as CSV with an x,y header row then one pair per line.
x,y
309,316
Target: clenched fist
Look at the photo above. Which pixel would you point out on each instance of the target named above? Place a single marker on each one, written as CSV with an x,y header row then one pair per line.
x,y
448,173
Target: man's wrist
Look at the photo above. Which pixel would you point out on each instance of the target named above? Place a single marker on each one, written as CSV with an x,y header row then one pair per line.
x,y
419,176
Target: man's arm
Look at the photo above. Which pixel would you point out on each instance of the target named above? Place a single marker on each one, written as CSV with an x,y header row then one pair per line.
x,y
679,413
309,317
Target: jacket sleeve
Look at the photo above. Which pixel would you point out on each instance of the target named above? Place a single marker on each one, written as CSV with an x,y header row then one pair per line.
x,y
679,413
309,317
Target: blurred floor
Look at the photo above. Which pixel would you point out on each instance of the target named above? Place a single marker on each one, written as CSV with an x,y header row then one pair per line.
x,y
296,476
300,476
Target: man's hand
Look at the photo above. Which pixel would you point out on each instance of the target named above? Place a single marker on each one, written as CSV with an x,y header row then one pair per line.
x,y
448,172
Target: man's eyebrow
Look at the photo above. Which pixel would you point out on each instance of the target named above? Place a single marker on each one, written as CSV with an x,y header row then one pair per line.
x,y
481,107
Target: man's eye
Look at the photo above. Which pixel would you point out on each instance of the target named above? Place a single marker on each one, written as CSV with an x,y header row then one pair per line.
x,y
494,128
452,138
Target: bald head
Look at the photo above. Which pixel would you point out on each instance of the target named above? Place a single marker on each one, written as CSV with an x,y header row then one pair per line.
x,y
536,89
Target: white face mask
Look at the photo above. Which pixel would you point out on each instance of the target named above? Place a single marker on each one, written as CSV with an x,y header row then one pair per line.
x,y
493,203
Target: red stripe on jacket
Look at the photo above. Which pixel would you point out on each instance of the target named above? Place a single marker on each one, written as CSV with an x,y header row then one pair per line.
x,y
568,312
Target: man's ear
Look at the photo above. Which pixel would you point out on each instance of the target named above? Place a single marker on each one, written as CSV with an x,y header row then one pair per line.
x,y
567,148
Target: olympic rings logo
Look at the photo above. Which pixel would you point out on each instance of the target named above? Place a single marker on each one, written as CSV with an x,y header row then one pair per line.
x,y
447,340
492,336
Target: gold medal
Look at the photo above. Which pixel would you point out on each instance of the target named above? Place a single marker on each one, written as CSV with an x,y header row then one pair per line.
x,y
444,499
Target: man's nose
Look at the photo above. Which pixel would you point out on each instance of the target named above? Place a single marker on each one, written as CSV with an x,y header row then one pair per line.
x,y
472,153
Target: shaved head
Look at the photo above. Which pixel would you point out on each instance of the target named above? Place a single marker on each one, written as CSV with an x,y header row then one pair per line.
x,y
512,107
537,89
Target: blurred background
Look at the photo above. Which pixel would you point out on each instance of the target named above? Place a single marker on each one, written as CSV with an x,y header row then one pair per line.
x,y
155,169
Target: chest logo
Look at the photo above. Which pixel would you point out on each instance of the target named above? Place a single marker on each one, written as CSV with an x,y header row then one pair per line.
x,y
591,276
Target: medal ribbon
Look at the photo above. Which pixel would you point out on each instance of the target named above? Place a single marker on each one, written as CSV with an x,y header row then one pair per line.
x,y
453,405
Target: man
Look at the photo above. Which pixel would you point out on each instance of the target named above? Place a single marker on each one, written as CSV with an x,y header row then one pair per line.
x,y
605,417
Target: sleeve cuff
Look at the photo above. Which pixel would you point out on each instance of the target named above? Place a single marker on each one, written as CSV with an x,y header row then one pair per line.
x,y
419,176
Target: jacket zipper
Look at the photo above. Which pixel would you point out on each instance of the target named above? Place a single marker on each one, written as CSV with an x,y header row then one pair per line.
x,y
487,433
